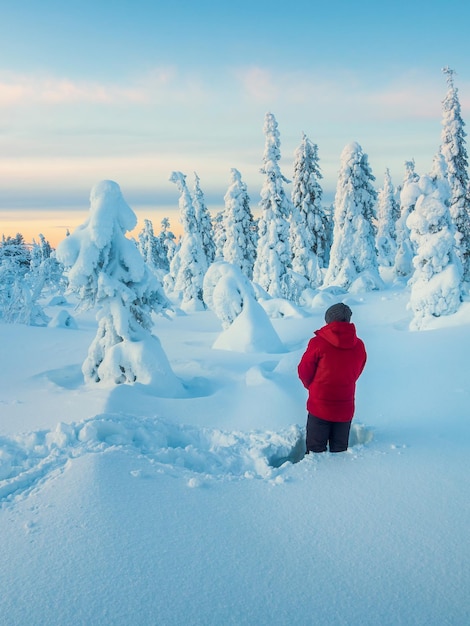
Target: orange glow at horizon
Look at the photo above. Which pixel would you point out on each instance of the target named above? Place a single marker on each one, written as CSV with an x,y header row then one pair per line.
x,y
54,224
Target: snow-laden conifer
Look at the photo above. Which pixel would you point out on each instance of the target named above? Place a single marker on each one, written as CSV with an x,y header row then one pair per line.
x,y
203,220
246,325
388,212
148,246
409,193
238,225
353,259
273,260
219,234
21,281
437,279
107,271
189,264
309,225
167,242
453,148
154,248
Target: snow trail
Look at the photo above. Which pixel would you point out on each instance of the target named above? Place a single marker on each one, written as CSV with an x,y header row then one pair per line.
x,y
28,460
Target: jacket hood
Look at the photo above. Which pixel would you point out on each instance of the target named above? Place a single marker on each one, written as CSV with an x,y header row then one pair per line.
x,y
339,334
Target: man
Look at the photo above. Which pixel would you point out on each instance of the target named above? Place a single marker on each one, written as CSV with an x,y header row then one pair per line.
x,y
329,369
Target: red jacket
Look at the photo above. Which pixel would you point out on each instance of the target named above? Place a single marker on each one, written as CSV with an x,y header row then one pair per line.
x,y
329,369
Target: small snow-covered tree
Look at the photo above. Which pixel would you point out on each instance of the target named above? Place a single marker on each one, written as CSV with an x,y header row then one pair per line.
x,y
454,150
148,245
308,223
167,242
153,249
273,260
388,212
16,250
107,271
409,193
203,220
20,283
238,225
247,327
40,251
219,234
353,259
189,264
437,279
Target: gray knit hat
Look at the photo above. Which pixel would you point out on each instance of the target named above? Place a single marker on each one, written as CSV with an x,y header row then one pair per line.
x,y
338,313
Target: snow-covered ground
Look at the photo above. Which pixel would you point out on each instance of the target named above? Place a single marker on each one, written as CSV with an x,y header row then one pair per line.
x,y
119,507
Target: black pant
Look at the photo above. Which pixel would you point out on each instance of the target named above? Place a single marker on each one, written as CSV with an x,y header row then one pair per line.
x,y
320,432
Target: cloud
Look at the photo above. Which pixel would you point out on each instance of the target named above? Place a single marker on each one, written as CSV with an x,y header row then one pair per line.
x,y
336,94
347,95
259,84
160,85
28,90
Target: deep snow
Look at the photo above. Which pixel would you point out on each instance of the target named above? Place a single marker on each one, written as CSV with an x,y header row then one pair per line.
x,y
123,508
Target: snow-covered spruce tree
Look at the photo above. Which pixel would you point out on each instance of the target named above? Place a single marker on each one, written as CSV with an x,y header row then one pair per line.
x,y
238,224
19,295
16,250
409,193
167,242
454,151
388,212
273,260
437,280
151,248
219,234
203,220
40,251
107,271
19,289
353,260
308,229
188,266
307,195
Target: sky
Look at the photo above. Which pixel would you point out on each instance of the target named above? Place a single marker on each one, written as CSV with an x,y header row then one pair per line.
x,y
133,90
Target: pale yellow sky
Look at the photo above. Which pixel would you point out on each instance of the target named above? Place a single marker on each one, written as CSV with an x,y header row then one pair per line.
x,y
54,224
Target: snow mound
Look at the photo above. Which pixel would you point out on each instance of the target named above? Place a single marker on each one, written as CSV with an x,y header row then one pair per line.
x,y
63,319
279,307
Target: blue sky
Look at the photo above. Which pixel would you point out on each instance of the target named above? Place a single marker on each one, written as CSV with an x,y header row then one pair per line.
x,y
134,90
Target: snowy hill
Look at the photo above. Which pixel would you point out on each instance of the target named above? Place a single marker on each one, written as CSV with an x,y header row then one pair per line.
x,y
122,507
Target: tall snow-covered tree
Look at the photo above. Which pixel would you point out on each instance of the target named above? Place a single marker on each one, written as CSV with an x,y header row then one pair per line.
x,y
453,148
353,259
107,271
273,260
409,193
203,220
239,245
388,212
308,229
306,216
188,266
437,279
